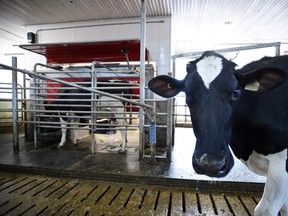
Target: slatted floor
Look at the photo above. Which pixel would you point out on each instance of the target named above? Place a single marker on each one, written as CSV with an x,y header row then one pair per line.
x,y
22,194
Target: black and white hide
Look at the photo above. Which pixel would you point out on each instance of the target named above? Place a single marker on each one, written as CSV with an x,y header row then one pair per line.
x,y
246,109
78,101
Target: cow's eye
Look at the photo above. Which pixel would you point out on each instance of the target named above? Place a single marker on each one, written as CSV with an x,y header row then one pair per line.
x,y
169,85
236,94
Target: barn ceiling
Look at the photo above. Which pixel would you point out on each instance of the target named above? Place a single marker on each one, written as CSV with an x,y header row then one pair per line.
x,y
194,21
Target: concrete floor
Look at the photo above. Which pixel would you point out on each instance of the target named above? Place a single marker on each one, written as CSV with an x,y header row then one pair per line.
x,y
106,164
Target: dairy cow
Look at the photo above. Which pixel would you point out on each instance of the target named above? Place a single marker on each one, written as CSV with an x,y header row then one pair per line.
x,y
246,109
77,103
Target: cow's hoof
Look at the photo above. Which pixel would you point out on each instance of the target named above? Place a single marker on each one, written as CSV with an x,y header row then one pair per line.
x,y
59,146
122,151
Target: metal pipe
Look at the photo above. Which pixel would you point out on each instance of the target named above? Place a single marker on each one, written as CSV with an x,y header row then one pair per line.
x,y
142,75
35,93
15,107
55,67
232,49
124,51
277,50
93,106
169,130
24,103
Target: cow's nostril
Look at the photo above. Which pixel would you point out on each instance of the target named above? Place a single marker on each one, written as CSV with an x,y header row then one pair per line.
x,y
211,161
210,165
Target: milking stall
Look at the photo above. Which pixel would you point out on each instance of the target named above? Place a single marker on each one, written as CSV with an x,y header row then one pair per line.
x,y
82,133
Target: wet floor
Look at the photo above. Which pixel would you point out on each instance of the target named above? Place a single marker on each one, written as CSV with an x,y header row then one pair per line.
x,y
77,161
73,181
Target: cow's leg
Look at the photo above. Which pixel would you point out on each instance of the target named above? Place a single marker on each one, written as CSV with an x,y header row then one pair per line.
x,y
275,192
117,109
118,112
64,132
274,196
123,131
76,134
284,209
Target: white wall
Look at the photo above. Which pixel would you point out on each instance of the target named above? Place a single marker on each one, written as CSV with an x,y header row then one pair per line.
x,y
158,36
7,50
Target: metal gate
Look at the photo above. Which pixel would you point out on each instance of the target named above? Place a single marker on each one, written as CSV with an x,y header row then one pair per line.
x,y
41,88
47,96
180,109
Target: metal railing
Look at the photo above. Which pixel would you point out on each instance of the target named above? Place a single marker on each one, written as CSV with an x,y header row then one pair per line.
x,y
6,119
41,90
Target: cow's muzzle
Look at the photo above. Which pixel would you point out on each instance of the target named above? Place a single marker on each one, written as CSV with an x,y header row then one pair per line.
x,y
213,166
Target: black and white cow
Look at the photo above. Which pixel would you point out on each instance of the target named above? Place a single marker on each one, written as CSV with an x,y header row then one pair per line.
x,y
79,101
246,109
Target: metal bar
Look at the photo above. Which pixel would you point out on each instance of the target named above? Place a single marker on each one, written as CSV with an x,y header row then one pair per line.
x,y
105,88
6,99
134,96
125,85
82,112
170,125
35,135
88,127
277,49
25,106
15,107
256,46
87,71
142,75
55,67
124,51
82,124
93,106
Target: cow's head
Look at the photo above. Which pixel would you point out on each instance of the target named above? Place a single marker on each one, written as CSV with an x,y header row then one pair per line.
x,y
210,87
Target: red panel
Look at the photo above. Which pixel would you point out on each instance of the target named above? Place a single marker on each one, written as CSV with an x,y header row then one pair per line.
x,y
67,53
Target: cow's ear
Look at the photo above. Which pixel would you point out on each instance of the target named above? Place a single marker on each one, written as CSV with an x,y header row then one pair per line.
x,y
265,79
166,86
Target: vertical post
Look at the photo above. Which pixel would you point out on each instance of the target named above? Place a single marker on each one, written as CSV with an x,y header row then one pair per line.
x,y
15,107
93,107
25,106
142,76
277,50
35,91
170,118
170,126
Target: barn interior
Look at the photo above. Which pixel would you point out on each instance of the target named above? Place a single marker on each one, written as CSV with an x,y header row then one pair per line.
x,y
242,31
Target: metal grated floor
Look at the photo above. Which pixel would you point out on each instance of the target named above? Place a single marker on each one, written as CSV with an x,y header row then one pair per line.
x,y
22,194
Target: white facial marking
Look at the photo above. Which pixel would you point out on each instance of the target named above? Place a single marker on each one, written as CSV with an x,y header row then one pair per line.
x,y
209,68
